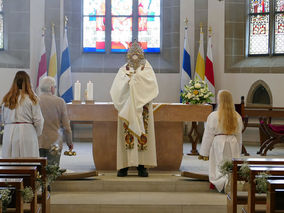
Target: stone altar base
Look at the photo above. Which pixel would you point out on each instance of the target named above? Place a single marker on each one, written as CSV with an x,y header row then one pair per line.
x,y
162,192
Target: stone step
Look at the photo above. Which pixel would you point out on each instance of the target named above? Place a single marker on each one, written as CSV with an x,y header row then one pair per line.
x,y
132,183
138,202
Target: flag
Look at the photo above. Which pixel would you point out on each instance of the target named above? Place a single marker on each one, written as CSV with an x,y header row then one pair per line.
x,y
42,70
65,80
186,66
209,70
200,63
52,69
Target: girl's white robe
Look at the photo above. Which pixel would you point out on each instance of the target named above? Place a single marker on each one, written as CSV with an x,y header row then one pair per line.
x,y
220,148
21,140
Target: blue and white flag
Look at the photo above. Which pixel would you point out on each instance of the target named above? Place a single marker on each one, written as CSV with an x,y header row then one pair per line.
x,y
65,80
186,66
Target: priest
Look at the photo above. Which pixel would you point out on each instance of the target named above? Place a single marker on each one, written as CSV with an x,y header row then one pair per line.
x,y
132,92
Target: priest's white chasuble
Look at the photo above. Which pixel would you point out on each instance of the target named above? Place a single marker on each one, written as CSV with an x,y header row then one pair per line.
x,y
220,147
132,93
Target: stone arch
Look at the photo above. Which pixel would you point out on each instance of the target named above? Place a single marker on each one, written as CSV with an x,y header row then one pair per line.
x,y
259,94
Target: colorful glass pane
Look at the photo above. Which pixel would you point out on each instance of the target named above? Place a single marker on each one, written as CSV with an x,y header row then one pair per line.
x,y
121,34
94,7
121,7
279,33
259,34
94,34
149,33
259,6
149,7
279,5
1,32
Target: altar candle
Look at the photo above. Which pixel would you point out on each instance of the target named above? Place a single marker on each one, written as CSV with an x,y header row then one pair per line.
x,y
77,92
90,88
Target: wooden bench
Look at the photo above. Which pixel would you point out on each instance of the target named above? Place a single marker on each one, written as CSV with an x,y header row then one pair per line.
x,y
262,111
18,185
235,198
275,195
23,171
254,171
44,197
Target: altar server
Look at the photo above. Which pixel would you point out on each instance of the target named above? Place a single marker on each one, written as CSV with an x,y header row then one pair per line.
x,y
132,92
22,118
56,126
222,139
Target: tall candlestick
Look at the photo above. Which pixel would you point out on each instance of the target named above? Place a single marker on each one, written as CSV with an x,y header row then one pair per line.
x,y
90,88
77,92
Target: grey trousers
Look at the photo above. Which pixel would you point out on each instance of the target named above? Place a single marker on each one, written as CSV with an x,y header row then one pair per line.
x,y
52,158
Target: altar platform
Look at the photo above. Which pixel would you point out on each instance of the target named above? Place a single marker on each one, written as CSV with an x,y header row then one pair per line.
x,y
161,192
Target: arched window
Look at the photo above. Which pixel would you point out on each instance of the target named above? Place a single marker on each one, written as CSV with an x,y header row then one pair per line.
x,y
266,27
111,25
1,26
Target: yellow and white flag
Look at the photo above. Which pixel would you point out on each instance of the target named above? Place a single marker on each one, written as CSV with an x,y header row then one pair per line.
x,y
52,69
200,62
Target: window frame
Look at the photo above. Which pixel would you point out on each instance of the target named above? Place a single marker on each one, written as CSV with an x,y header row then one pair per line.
x,y
2,15
108,25
271,33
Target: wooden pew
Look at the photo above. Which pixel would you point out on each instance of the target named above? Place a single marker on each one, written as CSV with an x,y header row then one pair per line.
x,y
254,171
234,197
272,199
31,171
18,185
40,163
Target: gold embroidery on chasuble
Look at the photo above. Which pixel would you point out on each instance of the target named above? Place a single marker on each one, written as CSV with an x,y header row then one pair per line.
x,y
143,139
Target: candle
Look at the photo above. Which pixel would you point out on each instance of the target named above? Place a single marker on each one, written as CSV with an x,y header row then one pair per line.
x,y
77,92
90,88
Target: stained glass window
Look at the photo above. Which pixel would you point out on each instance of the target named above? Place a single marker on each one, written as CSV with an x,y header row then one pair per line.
x,y
266,34
121,30
1,26
94,26
259,34
149,25
111,25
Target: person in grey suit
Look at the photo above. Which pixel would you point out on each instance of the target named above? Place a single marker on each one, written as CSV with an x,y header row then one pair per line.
x,y
56,123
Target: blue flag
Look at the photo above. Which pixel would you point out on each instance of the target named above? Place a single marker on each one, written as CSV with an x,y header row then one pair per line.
x,y
65,80
186,66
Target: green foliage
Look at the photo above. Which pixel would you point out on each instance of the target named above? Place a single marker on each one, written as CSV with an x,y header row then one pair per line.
x,y
261,182
244,172
226,167
28,194
196,92
6,198
53,172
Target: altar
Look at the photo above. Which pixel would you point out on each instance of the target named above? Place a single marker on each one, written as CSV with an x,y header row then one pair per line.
x,y
168,118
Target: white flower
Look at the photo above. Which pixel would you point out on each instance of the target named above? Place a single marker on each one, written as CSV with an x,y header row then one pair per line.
x,y
206,96
188,95
202,90
197,85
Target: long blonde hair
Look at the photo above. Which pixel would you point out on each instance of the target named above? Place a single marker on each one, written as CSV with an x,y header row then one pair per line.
x,y
227,116
20,86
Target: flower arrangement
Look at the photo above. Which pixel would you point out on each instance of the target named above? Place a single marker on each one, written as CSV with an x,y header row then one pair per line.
x,y
6,198
196,92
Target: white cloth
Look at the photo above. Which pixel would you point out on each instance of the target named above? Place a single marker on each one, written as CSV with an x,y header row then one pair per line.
x,y
20,140
220,148
129,95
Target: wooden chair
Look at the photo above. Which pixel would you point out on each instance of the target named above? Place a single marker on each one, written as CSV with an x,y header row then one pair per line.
x,y
234,197
44,197
272,136
18,185
275,196
27,172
